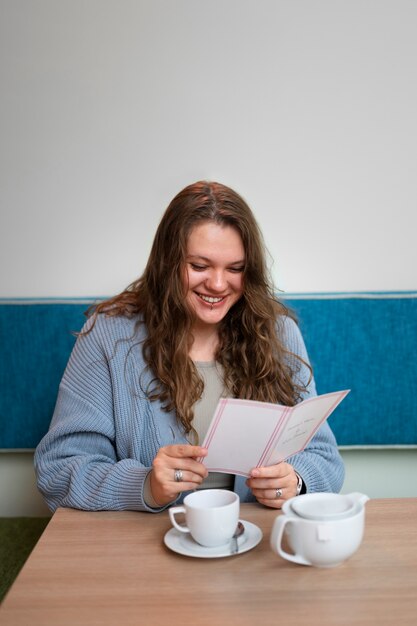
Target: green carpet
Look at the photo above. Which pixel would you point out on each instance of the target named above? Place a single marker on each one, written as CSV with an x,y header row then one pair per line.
x,y
18,536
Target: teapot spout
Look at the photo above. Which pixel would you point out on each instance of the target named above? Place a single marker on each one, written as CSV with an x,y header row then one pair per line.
x,y
358,498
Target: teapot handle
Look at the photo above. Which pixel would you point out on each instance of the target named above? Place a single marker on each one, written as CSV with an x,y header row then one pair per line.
x,y
276,539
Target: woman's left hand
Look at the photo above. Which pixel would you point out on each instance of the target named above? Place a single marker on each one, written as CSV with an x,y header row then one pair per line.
x,y
273,485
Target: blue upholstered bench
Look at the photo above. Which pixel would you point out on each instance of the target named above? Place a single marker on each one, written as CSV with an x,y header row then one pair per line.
x,y
362,341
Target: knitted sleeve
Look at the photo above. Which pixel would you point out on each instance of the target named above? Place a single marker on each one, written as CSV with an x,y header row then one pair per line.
x,y
76,462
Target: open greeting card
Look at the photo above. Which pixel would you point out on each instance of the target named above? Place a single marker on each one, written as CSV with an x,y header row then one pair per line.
x,y
244,434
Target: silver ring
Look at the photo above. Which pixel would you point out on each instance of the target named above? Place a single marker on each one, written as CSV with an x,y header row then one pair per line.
x,y
178,475
278,493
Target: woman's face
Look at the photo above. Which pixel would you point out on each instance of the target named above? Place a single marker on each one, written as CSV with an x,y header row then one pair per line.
x,y
215,263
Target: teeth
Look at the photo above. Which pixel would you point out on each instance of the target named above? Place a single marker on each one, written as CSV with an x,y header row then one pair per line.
x,y
209,299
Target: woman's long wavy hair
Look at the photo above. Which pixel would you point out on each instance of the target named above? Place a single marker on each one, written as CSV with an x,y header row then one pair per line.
x,y
255,363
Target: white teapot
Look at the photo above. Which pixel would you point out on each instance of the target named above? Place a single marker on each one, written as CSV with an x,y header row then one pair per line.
x,y
322,529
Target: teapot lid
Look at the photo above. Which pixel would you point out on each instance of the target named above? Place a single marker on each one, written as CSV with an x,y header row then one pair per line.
x,y
323,506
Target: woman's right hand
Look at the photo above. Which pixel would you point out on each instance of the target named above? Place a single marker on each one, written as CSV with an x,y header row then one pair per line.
x,y
165,488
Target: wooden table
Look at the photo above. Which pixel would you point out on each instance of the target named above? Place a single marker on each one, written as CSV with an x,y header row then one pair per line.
x,y
113,568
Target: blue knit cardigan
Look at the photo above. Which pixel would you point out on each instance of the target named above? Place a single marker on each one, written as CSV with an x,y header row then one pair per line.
x,y
105,432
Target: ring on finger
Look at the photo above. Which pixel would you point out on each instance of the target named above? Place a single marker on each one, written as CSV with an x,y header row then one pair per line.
x,y
178,475
278,493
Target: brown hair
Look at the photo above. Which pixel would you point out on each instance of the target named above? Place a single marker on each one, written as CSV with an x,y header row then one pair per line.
x,y
256,364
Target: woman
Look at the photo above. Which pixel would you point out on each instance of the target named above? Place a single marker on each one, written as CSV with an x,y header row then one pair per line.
x,y
150,365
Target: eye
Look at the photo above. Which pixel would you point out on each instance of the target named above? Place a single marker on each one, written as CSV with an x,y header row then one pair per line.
x,y
237,270
198,268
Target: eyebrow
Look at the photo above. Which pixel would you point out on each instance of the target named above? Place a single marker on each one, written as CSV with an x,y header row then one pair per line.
x,y
204,258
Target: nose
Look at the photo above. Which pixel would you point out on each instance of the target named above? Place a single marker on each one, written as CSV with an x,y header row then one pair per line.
x,y
216,282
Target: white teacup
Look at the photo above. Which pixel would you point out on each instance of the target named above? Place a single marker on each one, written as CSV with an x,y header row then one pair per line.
x,y
211,516
322,529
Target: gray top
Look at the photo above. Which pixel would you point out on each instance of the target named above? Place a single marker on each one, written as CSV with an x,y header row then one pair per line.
x,y
212,375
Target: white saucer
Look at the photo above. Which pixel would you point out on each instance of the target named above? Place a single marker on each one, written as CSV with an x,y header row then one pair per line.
x,y
182,543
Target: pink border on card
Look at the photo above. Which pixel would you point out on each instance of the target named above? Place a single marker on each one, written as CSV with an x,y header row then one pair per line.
x,y
340,395
275,435
277,431
216,421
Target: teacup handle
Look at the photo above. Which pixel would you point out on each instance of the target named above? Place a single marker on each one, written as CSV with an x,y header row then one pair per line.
x,y
173,511
276,540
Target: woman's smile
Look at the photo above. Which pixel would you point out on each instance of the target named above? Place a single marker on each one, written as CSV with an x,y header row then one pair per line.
x,y
214,271
210,299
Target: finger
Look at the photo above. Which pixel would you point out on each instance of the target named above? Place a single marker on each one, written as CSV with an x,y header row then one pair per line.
x,y
182,451
180,475
272,504
187,477
192,465
165,466
272,471
287,485
273,494
266,483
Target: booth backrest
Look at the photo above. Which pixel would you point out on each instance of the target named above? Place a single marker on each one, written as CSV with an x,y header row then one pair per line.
x,y
36,338
366,343
363,342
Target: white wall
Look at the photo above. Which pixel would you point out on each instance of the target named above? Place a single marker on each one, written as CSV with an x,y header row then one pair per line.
x,y
109,107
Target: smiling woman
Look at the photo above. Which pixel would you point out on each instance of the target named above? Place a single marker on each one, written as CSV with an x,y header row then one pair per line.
x,y
150,365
